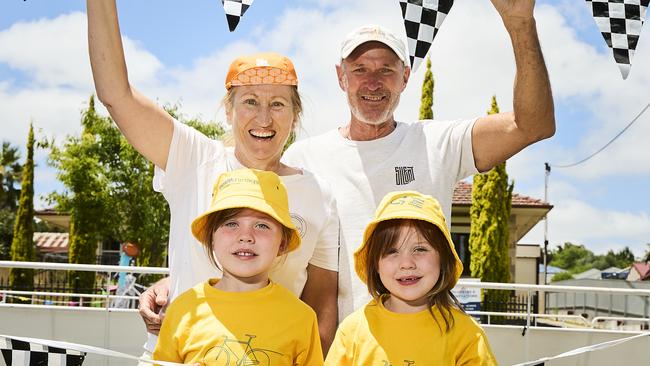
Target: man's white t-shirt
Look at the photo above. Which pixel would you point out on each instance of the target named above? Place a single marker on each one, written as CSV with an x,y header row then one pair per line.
x,y
193,165
427,156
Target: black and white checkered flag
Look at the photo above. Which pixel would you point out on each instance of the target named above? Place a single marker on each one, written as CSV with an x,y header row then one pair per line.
x,y
422,20
21,353
235,9
620,23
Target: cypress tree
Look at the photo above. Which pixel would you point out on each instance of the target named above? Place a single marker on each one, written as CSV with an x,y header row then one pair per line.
x,y
426,101
489,213
22,244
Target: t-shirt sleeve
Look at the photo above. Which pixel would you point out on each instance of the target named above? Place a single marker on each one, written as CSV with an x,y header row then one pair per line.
x,y
342,350
326,251
478,351
313,353
453,139
167,345
189,149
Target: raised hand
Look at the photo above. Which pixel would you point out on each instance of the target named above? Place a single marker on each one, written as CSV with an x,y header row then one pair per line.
x,y
514,9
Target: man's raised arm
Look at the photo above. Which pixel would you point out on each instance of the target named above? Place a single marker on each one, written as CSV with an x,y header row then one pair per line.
x,y
497,137
144,124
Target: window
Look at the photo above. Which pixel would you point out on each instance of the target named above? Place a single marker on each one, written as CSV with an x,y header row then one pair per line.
x,y
461,242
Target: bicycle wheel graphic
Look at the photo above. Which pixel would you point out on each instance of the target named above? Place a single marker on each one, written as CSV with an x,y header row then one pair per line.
x,y
257,357
217,356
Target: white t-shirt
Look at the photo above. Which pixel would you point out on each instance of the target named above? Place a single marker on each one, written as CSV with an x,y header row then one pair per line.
x,y
428,156
193,165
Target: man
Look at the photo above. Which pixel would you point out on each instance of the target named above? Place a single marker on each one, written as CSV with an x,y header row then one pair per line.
x,y
373,154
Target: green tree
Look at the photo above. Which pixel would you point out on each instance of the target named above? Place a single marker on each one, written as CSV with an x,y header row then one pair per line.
x,y
10,173
426,101
489,214
22,244
576,258
110,192
646,256
80,169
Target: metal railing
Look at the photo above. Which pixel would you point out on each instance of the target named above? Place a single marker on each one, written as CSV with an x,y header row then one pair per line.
x,y
528,315
107,299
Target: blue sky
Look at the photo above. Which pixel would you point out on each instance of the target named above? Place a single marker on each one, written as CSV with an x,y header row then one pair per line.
x,y
178,53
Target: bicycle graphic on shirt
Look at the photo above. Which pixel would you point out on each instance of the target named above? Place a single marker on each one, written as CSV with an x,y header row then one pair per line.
x,y
224,355
406,363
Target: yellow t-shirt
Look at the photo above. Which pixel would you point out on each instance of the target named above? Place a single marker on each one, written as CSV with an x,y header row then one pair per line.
x,y
269,327
376,336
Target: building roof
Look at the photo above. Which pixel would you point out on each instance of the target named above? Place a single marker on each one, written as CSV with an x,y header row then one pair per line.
x,y
593,273
643,268
463,196
51,242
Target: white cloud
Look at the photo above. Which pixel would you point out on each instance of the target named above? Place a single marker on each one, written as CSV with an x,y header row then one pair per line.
x,y
599,229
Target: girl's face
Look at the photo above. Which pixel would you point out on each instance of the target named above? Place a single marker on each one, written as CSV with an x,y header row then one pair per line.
x,y
409,270
246,246
262,117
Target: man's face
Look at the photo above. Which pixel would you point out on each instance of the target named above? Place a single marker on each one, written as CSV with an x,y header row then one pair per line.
x,y
373,78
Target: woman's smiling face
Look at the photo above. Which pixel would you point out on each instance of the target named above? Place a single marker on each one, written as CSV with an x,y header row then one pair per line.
x,y
262,118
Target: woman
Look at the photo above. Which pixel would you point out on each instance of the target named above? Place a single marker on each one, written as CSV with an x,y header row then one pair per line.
x,y
263,106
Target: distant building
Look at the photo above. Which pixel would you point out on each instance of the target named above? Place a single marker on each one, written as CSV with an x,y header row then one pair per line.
x,y
639,272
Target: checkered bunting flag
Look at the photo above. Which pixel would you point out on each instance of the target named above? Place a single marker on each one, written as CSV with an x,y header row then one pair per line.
x,y
620,23
422,20
21,353
235,10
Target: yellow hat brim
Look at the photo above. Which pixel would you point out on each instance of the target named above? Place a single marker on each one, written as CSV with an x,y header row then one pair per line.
x,y
199,225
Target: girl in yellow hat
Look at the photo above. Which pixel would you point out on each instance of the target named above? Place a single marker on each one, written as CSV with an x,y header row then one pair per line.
x,y
242,318
408,261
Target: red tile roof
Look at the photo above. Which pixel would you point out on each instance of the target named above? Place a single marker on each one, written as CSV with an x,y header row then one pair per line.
x,y
643,269
463,196
51,242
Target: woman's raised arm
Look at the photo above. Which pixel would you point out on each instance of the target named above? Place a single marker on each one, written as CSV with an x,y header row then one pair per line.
x,y
144,124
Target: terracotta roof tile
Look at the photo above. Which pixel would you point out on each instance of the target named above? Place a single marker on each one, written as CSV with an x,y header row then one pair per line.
x,y
463,196
51,242
643,269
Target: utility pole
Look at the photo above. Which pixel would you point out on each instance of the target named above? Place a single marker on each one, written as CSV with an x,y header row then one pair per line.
x,y
547,173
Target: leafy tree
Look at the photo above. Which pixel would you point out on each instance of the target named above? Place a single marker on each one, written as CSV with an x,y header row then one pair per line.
x,y
488,239
561,276
117,192
646,256
575,258
10,173
80,169
490,212
426,101
22,244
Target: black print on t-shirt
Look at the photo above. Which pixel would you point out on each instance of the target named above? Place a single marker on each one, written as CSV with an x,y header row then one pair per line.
x,y
237,352
404,175
406,363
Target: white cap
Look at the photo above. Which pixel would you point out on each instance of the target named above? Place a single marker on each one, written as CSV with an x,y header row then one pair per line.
x,y
369,33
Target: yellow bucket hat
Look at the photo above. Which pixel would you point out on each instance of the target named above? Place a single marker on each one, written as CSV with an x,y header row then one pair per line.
x,y
259,190
405,205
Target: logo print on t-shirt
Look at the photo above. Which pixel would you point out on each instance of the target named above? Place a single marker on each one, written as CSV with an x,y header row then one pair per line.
x,y
404,175
300,223
237,352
